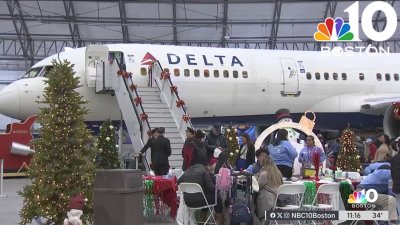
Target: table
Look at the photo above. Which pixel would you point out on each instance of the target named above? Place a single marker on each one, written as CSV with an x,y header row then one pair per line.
x,y
160,193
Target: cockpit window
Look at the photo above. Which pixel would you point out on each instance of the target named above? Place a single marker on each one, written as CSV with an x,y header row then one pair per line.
x,y
33,72
47,70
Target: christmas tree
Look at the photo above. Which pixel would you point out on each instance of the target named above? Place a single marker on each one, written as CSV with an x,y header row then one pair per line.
x,y
233,144
107,148
63,164
348,159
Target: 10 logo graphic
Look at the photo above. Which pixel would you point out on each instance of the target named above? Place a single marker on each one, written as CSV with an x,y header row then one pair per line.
x,y
338,30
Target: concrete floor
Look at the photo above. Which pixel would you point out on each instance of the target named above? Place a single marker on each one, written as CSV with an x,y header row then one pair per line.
x,y
12,203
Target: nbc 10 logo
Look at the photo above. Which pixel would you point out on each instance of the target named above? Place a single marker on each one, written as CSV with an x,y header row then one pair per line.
x,y
338,30
363,199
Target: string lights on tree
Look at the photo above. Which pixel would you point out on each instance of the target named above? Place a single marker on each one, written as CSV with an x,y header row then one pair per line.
x,y
63,164
233,144
107,157
348,159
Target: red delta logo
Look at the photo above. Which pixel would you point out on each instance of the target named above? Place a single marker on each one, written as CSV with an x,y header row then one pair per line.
x,y
148,59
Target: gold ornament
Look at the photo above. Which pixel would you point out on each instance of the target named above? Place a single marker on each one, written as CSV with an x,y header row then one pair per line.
x,y
107,139
230,138
228,130
117,146
111,127
231,154
100,150
237,151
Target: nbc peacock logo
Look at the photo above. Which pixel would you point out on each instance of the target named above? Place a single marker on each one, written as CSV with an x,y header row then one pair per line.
x,y
333,30
357,197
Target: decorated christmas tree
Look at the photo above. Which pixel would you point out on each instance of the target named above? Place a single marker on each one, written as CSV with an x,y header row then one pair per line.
x,y
233,144
63,164
348,159
107,157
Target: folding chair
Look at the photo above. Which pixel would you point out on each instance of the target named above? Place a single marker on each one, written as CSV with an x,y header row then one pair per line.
x,y
192,188
297,193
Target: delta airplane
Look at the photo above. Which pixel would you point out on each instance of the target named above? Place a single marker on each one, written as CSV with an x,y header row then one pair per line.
x,y
240,86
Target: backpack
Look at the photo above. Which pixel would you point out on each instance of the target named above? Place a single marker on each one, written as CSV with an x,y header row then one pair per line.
x,y
224,181
240,212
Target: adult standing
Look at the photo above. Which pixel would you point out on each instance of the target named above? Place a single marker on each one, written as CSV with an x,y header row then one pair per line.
x,y
283,153
187,150
199,149
246,155
372,149
160,151
395,172
215,139
384,149
308,152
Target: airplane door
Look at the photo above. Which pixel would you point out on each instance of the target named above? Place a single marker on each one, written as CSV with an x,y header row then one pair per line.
x,y
290,78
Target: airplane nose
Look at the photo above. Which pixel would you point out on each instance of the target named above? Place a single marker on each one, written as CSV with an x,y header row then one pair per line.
x,y
10,102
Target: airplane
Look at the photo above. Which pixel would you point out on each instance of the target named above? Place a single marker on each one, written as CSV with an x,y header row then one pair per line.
x,y
240,86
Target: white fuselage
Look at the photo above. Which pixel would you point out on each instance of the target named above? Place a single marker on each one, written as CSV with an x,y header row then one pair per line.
x,y
275,79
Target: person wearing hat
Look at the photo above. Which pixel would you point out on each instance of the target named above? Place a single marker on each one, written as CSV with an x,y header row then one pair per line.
x,y
372,149
255,168
187,150
199,149
216,139
160,151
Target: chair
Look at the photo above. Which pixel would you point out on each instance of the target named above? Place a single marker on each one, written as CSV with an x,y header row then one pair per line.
x,y
294,190
326,189
192,188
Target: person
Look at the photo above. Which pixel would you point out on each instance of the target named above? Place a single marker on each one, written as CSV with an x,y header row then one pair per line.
x,y
323,141
378,180
384,149
374,166
308,152
187,150
215,139
269,181
283,153
246,155
214,158
160,151
199,149
395,172
255,168
372,149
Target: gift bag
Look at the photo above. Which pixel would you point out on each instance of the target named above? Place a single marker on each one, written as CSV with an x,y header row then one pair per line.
x,y
306,122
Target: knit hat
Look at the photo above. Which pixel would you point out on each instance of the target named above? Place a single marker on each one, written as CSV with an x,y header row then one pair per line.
x,y
76,202
190,130
282,114
217,151
199,134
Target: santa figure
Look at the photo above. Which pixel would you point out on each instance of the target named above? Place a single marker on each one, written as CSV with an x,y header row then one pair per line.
x,y
75,207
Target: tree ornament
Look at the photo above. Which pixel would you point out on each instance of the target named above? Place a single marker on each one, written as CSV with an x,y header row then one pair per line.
x,y
231,154
107,139
230,138
237,151
111,127
117,146
228,130
100,150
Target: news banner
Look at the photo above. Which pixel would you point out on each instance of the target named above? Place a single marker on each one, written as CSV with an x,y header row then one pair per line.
x,y
327,215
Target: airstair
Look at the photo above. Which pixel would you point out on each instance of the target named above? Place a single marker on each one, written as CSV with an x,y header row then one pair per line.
x,y
142,108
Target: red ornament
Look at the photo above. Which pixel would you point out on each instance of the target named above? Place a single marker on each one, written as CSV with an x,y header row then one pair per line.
x,y
164,75
180,103
173,89
120,72
138,100
149,133
143,116
186,118
133,87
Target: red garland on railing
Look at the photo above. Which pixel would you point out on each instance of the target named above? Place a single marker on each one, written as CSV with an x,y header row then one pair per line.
x,y
149,133
396,111
132,87
180,103
186,118
164,75
124,74
173,89
120,72
143,116
138,100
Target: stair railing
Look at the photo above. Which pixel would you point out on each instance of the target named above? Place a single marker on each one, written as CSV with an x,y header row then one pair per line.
x,y
169,93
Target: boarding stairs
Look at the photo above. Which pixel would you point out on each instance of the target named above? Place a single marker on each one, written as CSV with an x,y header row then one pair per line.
x,y
142,108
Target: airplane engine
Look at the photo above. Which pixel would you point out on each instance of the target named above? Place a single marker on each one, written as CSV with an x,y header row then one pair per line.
x,y
391,122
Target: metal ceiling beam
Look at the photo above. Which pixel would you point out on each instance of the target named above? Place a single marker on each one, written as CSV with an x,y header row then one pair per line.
x,y
378,18
122,13
202,1
329,11
174,28
225,25
275,24
73,27
21,29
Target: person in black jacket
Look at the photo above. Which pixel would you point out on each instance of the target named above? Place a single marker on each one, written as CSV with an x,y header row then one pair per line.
x,y
160,151
199,149
395,171
216,139
246,155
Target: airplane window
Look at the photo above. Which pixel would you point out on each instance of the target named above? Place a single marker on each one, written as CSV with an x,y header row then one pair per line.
x,y
176,72
361,76
33,72
216,73
335,76
226,73
235,74
143,71
379,76
317,76
326,76
47,70
186,72
207,73
387,76
344,76
244,74
196,73
309,76
166,70
396,77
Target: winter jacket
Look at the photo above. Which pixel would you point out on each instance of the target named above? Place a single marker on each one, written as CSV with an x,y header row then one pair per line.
x,y
215,141
266,195
283,154
199,153
395,170
160,150
187,154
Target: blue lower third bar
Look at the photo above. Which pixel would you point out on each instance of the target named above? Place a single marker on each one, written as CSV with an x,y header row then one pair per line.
x,y
302,215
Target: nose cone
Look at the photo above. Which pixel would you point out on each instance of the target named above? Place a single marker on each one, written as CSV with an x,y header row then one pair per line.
x,y
10,102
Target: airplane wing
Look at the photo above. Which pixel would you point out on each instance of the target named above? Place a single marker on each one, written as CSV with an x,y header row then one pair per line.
x,y
378,105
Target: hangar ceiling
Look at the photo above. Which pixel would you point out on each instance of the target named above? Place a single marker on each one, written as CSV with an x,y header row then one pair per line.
x,y
33,30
